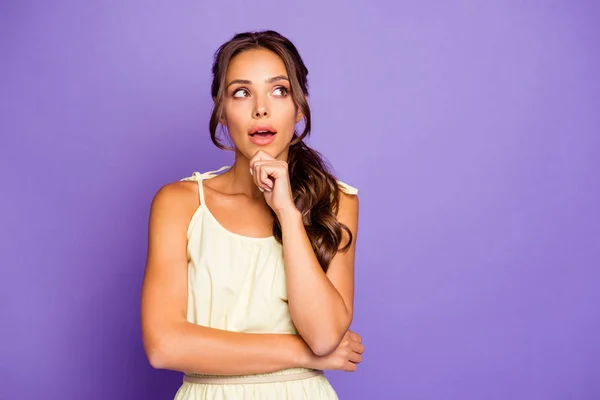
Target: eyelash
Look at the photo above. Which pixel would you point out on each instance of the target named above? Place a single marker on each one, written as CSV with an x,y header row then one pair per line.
x,y
282,88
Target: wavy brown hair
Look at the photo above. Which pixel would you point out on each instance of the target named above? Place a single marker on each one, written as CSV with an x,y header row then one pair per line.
x,y
314,187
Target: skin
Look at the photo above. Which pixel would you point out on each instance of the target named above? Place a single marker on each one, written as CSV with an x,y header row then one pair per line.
x,y
320,304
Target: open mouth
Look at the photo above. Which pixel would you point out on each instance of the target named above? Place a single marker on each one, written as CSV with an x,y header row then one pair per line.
x,y
262,133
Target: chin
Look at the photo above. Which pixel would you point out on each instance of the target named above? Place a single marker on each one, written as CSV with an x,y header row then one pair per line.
x,y
275,148
272,149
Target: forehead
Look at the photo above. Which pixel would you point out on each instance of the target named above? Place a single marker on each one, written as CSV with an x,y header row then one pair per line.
x,y
255,65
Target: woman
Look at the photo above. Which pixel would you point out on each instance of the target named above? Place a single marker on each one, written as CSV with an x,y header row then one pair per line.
x,y
249,280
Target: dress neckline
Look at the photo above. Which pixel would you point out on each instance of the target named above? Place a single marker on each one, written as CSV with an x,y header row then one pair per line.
x,y
212,174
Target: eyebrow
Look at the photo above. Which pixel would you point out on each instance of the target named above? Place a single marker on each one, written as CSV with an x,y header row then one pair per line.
x,y
270,80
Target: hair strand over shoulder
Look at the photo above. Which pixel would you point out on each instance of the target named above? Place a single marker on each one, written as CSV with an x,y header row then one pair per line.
x,y
314,188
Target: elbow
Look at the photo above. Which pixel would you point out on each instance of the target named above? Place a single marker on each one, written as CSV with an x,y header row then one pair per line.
x,y
324,345
327,340
156,354
322,349
156,359
160,345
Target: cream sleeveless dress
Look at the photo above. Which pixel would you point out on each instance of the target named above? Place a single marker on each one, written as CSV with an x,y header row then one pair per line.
x,y
237,283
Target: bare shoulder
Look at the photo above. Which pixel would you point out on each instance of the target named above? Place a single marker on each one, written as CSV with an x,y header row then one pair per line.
x,y
348,205
176,200
178,191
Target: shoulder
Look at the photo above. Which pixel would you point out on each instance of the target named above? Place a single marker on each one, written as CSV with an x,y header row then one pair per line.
x,y
175,200
348,204
345,188
176,192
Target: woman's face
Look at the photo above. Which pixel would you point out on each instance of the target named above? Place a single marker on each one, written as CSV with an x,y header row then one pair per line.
x,y
258,98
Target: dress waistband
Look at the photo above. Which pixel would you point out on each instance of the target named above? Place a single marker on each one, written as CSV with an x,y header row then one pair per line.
x,y
249,379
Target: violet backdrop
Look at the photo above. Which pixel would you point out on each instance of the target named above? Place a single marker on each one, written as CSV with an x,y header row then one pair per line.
x,y
472,130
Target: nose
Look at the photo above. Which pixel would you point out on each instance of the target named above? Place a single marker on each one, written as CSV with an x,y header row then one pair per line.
x,y
261,110
261,113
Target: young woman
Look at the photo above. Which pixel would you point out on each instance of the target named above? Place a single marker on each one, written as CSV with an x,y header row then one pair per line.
x,y
249,281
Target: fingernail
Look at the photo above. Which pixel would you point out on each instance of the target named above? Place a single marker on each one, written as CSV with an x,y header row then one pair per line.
x,y
251,173
261,189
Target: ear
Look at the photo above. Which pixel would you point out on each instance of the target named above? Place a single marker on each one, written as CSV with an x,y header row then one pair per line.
x,y
221,118
299,114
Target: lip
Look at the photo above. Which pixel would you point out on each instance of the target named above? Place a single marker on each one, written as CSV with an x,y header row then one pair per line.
x,y
261,127
259,140
262,141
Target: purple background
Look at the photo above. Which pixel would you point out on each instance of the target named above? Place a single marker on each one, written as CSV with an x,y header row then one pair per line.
x,y
472,131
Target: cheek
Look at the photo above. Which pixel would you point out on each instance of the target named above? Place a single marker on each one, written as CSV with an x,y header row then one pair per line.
x,y
235,116
285,112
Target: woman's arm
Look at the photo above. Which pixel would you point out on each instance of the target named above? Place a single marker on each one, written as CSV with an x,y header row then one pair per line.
x,y
169,340
321,304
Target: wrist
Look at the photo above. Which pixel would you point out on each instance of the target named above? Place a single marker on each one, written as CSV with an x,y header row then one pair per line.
x,y
290,214
301,353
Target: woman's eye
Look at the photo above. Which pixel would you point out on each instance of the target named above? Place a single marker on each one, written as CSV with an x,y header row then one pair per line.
x,y
281,91
240,93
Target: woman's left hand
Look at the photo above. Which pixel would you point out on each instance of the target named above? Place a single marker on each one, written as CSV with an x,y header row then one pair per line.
x,y
272,177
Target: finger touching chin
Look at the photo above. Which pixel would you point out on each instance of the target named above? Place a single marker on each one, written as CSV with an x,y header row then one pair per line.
x,y
262,154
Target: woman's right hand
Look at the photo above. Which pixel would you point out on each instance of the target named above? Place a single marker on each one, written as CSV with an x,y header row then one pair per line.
x,y
345,357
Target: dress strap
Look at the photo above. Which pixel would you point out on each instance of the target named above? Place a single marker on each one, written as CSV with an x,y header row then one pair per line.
x,y
347,188
199,177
